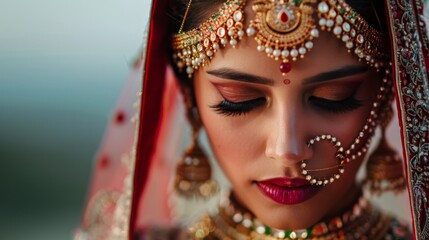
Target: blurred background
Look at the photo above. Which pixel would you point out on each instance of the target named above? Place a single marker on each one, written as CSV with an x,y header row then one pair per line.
x,y
62,66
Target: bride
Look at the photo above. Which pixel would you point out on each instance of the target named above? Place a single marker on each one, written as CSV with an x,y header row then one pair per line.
x,y
290,94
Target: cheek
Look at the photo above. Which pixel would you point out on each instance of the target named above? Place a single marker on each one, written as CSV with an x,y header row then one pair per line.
x,y
234,147
234,144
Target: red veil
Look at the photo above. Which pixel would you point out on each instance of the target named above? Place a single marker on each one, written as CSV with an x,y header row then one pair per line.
x,y
136,152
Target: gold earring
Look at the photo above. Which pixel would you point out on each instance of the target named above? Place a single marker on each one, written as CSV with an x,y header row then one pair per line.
x,y
193,172
384,168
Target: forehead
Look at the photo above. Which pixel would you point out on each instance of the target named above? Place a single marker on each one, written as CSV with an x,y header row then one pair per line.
x,y
327,54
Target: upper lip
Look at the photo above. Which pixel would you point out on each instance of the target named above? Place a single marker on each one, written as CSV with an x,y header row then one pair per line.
x,y
285,182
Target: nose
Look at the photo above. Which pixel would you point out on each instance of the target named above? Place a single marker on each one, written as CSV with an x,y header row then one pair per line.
x,y
286,141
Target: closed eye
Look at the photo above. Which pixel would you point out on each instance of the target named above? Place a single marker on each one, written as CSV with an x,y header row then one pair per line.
x,y
229,108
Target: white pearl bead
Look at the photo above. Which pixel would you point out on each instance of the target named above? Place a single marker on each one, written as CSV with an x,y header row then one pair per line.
x,y
314,33
237,16
309,45
233,42
189,70
294,53
337,30
215,46
230,32
268,50
323,7
250,31
237,218
346,27
285,53
276,53
332,13
302,50
260,229
240,33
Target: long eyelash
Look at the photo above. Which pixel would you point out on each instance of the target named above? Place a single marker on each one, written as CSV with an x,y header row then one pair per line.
x,y
229,108
341,106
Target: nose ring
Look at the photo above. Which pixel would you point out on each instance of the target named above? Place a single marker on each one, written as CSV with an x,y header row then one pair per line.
x,y
340,155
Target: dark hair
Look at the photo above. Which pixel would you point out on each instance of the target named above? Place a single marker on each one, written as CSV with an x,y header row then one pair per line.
x,y
199,11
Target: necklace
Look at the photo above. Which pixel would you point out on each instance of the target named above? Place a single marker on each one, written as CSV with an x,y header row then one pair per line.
x,y
362,221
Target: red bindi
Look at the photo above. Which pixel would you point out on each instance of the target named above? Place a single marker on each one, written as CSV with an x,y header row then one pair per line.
x,y
286,81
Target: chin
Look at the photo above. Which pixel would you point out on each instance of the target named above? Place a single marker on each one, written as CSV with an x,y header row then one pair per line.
x,y
281,216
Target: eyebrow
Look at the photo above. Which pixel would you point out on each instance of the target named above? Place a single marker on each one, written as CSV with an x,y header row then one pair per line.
x,y
232,74
345,71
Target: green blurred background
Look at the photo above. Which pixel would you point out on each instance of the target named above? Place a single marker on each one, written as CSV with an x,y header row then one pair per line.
x,y
62,66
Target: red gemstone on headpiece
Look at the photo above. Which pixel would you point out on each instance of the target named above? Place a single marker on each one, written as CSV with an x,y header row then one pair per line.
x,y
284,17
285,67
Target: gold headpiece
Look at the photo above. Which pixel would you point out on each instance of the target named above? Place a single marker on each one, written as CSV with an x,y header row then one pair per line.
x,y
283,29
196,47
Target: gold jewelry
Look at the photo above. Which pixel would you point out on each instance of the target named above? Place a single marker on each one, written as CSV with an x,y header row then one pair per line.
x,y
184,16
196,47
233,222
283,29
384,167
340,156
193,172
358,148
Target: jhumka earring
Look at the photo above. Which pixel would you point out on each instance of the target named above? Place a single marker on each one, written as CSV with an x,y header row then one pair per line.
x,y
193,172
384,168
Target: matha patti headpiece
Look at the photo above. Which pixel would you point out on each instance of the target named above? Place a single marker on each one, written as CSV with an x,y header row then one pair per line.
x,y
283,29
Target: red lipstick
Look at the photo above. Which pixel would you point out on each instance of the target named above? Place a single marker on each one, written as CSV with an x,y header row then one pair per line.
x,y
287,191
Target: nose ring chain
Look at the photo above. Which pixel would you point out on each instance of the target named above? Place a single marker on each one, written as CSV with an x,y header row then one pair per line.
x,y
353,152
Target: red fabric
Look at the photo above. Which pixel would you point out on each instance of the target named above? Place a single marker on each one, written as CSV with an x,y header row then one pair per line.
x,y
151,102
399,111
407,60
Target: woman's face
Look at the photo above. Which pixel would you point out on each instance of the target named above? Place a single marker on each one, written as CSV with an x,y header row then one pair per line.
x,y
259,127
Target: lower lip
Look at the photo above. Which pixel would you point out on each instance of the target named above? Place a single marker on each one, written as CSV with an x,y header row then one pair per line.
x,y
288,195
